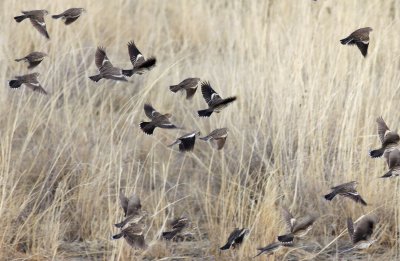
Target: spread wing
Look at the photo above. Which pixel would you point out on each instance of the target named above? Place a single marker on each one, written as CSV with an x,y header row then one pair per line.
x,y
101,57
382,128
219,143
208,93
135,55
40,25
124,202
304,223
288,219
364,229
150,112
133,205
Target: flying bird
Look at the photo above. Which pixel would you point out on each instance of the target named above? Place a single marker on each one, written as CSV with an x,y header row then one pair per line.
x,y
360,38
236,238
70,15
106,69
186,142
133,235
29,80
37,19
132,209
214,101
346,190
394,164
217,137
33,59
189,85
361,235
140,64
179,227
157,120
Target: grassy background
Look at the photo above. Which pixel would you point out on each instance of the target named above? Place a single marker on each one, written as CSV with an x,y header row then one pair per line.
x,y
304,121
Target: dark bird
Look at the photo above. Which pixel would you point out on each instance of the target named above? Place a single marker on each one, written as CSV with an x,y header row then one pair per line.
x,y
360,38
178,226
389,140
189,85
106,69
140,64
132,209
214,101
34,59
236,238
217,137
30,80
37,19
186,142
271,248
157,120
360,236
296,227
346,190
394,164
70,15
133,235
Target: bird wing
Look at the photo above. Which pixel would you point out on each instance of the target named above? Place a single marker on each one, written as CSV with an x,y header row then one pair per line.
x,y
70,20
288,219
150,112
219,143
101,58
354,196
40,25
208,93
135,55
304,223
350,228
133,205
364,229
363,48
394,159
124,201
382,128
36,87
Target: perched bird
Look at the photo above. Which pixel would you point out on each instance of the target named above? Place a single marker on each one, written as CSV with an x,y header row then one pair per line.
x,y
296,227
360,38
70,15
140,64
217,137
30,80
346,190
157,120
186,142
133,235
236,238
34,59
271,248
394,164
214,101
106,69
132,209
37,19
189,85
360,236
389,139
178,225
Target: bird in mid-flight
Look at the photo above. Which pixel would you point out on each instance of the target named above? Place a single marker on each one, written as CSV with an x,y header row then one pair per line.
x,y
360,38
37,19
346,190
105,67
157,120
214,101
70,15
34,59
30,80
139,63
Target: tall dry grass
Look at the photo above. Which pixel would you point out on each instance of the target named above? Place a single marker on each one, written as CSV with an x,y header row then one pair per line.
x,y
304,121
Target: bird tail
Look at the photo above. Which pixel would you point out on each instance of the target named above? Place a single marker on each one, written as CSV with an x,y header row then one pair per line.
x,y
128,73
330,196
20,59
56,16
147,127
206,138
117,236
346,40
226,246
169,234
120,225
376,153
205,113
15,83
174,88
95,78
286,239
20,18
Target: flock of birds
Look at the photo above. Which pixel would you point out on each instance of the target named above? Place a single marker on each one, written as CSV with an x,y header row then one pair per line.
x,y
133,225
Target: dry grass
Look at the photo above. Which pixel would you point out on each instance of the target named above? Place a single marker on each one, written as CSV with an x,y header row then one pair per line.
x,y
304,121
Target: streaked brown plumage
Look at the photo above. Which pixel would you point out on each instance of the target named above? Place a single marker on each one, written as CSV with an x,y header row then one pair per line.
x,y
132,209
37,19
133,234
30,81
34,59
157,120
361,235
70,15
235,238
189,85
214,101
179,226
139,63
360,38
186,142
394,164
217,137
106,69
346,190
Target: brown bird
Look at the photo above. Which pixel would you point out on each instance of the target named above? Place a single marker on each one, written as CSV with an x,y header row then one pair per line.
x,y
394,164
186,142
34,59
133,235
106,69
37,19
360,236
346,190
271,248
30,80
179,227
189,85
217,137
296,227
360,38
157,120
389,140
132,209
235,239
70,15
214,101
140,64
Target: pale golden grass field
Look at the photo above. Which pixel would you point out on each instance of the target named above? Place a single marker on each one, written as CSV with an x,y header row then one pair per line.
x,y
304,121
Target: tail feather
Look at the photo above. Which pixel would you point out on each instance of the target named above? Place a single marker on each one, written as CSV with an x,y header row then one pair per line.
x,y
18,60
15,84
147,127
56,16
346,40
20,18
96,78
169,234
330,196
226,246
117,236
205,113
286,239
376,153
128,73
175,88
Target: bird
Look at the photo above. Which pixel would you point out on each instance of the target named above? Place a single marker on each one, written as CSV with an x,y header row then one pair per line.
x,y
133,234
189,85
140,64
217,137
178,225
297,227
359,37
157,120
70,15
106,69
394,164
30,80
236,238
361,235
214,101
346,190
34,59
37,19
271,248
389,140
186,142
132,209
